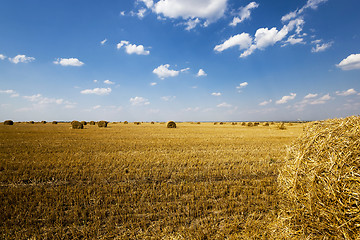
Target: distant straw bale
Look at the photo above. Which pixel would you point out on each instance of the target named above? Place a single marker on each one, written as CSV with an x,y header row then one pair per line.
x,y
320,183
77,125
171,124
256,124
221,123
137,123
198,123
8,122
43,122
281,126
84,123
234,123
102,124
32,122
54,122
215,123
92,123
249,124
126,122
152,123
266,124
243,123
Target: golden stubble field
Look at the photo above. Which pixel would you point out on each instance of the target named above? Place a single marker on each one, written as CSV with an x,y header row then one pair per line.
x,y
198,181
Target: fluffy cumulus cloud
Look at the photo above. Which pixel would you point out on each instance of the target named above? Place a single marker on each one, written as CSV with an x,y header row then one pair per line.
x,y
97,91
132,48
241,86
103,41
321,47
264,103
153,84
2,56
201,73
68,62
192,12
313,4
350,63
242,40
216,94
163,71
21,59
263,38
244,13
311,95
139,101
224,105
321,100
285,99
348,92
108,82
10,92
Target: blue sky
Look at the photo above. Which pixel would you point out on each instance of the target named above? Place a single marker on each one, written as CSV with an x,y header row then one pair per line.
x,y
182,60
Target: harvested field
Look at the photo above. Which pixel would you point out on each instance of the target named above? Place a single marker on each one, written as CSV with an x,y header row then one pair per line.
x,y
140,182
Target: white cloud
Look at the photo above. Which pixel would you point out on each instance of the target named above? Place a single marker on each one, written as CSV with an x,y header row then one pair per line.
x,y
168,98
201,73
153,84
122,13
348,92
103,41
321,47
209,10
242,40
139,101
293,40
69,62
242,85
148,3
39,99
97,91
217,94
321,100
224,105
285,99
132,48
311,95
163,71
192,23
2,56
244,13
108,82
265,37
313,4
21,59
190,109
185,70
141,13
11,92
95,81
96,107
264,103
350,63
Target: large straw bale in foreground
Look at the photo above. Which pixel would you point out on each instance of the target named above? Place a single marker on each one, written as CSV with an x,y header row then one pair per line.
x,y
102,124
77,125
320,183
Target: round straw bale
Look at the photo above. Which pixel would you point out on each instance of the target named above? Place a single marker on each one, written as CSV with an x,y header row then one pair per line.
x,y
102,124
281,126
152,123
256,124
92,123
137,123
54,122
43,122
320,183
171,124
126,122
266,124
215,123
243,123
84,123
221,123
77,125
8,122
32,122
249,124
